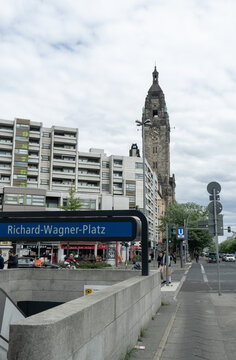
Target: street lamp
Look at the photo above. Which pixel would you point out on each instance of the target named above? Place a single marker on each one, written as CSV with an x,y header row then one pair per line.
x,y
144,123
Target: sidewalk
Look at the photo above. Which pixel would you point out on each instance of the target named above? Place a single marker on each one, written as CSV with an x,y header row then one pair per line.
x,y
199,324
155,336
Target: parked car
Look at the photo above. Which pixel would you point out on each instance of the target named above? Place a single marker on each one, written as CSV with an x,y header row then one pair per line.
x,y
26,262
212,257
229,257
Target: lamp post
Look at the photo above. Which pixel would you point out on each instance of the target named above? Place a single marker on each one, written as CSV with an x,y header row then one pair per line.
x,y
143,123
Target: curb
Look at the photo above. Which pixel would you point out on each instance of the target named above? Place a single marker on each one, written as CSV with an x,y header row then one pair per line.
x,y
164,339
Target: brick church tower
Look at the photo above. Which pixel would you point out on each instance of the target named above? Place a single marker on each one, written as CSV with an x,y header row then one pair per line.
x,y
157,139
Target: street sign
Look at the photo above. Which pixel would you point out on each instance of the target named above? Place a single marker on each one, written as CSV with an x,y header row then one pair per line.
x,y
81,229
203,224
219,207
213,185
211,225
180,233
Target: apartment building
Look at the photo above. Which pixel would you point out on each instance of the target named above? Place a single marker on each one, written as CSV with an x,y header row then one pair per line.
x,y
38,165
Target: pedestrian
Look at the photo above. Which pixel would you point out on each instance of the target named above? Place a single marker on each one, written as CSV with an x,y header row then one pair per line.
x,y
159,259
196,255
1,260
12,260
174,257
166,262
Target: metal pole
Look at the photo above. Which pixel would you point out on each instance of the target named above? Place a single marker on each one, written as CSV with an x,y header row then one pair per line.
x,y
167,256
144,187
185,239
181,253
216,237
39,249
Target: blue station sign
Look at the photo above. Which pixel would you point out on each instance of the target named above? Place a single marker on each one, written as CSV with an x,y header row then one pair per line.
x,y
102,229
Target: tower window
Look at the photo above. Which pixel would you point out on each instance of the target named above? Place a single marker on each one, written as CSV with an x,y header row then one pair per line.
x,y
154,113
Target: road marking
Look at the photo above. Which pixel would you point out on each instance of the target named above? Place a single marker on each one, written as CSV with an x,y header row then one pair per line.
x,y
204,274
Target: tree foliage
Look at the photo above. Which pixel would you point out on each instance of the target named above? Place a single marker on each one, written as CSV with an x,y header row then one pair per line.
x,y
228,246
191,212
72,203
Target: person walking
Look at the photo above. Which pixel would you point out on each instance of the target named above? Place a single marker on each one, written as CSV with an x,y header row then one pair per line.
x,y
159,259
1,261
166,262
196,255
12,260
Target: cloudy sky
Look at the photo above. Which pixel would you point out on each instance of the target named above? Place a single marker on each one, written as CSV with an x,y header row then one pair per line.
x,y
88,64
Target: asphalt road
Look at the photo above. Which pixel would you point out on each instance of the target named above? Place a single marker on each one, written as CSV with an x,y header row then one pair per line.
x,y
205,323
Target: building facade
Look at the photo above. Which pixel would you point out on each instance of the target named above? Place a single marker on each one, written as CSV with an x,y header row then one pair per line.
x,y
157,139
38,166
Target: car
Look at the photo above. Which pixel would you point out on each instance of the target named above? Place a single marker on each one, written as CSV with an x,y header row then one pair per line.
x,y
26,262
212,257
229,257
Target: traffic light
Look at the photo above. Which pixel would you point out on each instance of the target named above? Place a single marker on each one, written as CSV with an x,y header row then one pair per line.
x,y
229,229
171,231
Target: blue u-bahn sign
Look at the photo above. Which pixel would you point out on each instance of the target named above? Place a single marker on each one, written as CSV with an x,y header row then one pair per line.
x,y
102,229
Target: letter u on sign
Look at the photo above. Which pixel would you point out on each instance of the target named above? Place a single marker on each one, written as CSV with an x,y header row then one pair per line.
x,y
180,233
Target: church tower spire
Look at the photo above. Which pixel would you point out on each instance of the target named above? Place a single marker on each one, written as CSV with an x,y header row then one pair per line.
x,y
157,138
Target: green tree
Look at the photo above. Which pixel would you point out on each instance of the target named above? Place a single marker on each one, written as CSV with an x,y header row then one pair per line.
x,y
228,246
72,203
191,212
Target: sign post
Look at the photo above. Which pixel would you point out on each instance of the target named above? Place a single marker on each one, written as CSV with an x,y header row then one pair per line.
x,y
215,208
180,235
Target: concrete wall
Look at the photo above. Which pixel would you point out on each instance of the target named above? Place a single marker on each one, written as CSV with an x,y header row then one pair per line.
x,y
56,285
100,326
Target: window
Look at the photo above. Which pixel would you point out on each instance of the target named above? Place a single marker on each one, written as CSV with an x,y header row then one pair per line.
x,y
22,126
32,167
20,177
44,169
138,165
117,186
2,152
105,164
88,204
45,158
117,174
44,182
139,176
3,165
46,134
35,200
131,187
132,199
105,187
20,163
105,175
32,178
154,149
34,153
154,113
23,138
21,151
118,162
46,146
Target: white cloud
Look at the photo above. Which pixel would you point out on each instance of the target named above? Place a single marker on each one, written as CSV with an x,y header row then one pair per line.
x,y
88,64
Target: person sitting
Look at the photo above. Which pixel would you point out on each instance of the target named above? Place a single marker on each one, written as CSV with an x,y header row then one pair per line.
x,y
37,262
